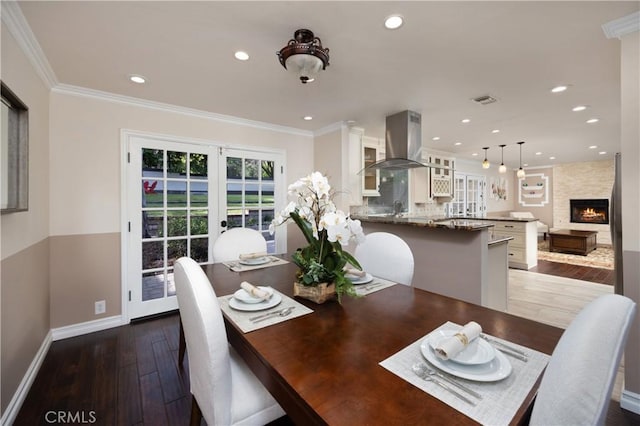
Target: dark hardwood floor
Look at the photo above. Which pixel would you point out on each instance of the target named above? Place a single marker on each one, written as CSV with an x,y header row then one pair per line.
x,y
130,375
584,273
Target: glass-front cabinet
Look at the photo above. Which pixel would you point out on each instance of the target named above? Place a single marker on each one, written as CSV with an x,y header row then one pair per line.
x,y
370,178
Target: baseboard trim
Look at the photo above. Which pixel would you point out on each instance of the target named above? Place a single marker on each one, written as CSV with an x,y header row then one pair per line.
x,y
630,401
9,415
86,327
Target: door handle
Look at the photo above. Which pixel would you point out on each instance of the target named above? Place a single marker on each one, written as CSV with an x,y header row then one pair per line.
x,y
223,223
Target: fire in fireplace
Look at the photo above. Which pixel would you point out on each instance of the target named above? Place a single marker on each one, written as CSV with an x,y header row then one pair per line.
x,y
590,211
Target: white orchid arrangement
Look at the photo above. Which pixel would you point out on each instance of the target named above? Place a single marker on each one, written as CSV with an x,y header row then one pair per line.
x,y
325,228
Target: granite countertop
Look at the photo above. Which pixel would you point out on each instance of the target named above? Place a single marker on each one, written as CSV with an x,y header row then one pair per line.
x,y
468,224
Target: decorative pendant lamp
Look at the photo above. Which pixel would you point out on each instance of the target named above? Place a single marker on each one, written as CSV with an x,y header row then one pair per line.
x,y
485,163
520,173
502,168
304,55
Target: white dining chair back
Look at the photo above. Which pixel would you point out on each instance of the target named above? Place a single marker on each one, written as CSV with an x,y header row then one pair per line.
x,y
236,241
386,256
577,384
224,390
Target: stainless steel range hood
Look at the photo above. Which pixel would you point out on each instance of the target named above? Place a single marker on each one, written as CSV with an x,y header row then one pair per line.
x,y
403,144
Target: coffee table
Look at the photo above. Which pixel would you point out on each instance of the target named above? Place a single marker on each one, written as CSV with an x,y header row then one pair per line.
x,y
572,241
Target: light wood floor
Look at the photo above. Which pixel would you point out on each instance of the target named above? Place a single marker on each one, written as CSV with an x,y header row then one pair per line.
x,y
556,301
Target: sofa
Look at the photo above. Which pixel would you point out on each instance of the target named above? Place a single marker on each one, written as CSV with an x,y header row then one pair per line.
x,y
542,227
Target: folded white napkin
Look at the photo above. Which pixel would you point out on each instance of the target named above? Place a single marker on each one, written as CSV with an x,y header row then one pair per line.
x,y
451,346
255,291
247,256
356,272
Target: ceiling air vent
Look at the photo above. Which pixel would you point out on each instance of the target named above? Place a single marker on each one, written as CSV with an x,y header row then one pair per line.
x,y
485,100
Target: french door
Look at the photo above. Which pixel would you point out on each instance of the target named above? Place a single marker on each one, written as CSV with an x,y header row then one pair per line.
x,y
468,196
179,197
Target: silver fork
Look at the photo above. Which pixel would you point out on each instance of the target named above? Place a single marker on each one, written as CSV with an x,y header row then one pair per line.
x,y
434,372
420,369
373,285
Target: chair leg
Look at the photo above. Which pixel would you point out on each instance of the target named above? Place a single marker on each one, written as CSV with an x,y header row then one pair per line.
x,y
196,413
544,236
182,345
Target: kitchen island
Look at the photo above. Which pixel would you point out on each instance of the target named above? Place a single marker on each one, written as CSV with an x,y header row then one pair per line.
x,y
453,257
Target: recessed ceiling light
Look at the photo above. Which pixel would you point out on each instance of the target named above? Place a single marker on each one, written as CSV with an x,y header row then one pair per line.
x,y
525,165
579,108
602,152
495,131
393,22
475,154
592,120
466,120
458,143
552,158
559,89
435,138
593,146
137,78
538,153
307,118
241,56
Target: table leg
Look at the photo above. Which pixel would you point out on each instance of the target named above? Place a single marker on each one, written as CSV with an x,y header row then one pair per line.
x,y
182,345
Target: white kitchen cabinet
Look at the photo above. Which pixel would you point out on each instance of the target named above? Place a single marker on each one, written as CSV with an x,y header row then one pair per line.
x,y
355,165
441,179
419,185
523,249
370,179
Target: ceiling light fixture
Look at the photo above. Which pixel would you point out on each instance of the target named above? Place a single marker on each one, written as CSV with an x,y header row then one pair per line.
x,y
393,22
485,163
592,120
495,131
307,118
579,108
241,56
458,143
502,168
466,120
520,173
137,78
435,138
304,55
559,89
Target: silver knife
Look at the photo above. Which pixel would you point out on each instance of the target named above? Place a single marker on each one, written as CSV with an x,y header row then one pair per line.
x,y
507,349
268,314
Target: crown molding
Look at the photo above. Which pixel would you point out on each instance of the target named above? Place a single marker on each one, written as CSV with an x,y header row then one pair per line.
x,y
334,127
17,25
84,92
622,26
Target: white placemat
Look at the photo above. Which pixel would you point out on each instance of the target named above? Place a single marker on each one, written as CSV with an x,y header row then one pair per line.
x,y
236,266
500,400
376,284
242,318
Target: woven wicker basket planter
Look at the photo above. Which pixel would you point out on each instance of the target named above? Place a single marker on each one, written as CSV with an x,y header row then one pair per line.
x,y
318,294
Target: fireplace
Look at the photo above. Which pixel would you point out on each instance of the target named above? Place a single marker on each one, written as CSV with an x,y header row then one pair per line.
x,y
590,211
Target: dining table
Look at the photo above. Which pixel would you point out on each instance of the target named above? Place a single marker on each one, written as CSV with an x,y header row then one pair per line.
x,y
324,367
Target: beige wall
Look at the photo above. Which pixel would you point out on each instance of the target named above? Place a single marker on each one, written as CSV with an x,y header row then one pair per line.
x,y
544,213
630,158
86,189
581,180
24,254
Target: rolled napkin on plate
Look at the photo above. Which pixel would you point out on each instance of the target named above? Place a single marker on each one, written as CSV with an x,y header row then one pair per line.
x,y
452,346
247,256
355,272
255,291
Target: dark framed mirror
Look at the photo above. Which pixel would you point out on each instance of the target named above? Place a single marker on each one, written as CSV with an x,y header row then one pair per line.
x,y
14,153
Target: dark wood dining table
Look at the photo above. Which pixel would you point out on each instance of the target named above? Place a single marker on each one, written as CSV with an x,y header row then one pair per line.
x,y
323,368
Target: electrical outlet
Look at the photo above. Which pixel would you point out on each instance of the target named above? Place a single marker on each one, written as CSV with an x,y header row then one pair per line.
x,y
101,307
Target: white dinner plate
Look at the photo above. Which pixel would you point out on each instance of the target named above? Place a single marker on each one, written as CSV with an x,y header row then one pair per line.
x,y
360,280
245,297
478,351
255,261
249,307
497,369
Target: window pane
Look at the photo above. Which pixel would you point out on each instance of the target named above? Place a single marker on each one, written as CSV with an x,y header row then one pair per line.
x,y
152,224
152,285
198,166
252,219
251,195
152,193
175,250
176,163
234,196
251,168
177,194
177,223
267,217
199,249
234,168
267,170
199,194
152,159
199,222
152,255
267,194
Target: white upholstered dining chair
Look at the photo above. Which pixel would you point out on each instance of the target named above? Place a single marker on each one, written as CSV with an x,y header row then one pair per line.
x,y
577,384
224,390
236,241
386,256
